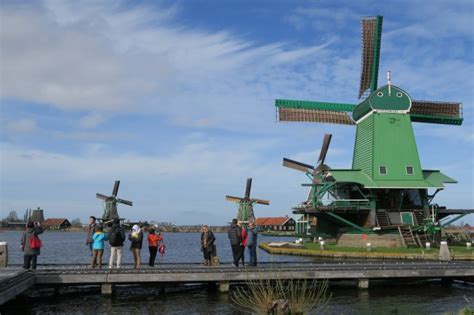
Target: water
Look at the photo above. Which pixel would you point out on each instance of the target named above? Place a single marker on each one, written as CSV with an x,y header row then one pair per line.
x,y
69,247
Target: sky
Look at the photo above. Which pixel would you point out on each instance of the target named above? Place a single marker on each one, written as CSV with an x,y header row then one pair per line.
x,y
176,99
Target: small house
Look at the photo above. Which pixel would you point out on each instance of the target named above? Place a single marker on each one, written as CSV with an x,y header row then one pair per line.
x,y
56,224
284,224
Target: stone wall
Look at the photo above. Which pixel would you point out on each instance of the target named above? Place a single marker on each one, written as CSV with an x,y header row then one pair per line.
x,y
377,240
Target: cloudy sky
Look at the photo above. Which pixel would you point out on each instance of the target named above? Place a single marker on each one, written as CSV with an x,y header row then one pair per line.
x,y
176,99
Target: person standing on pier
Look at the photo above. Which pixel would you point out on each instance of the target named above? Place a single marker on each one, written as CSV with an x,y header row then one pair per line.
x,y
98,245
116,239
90,232
207,245
243,234
153,242
252,243
235,236
30,244
136,237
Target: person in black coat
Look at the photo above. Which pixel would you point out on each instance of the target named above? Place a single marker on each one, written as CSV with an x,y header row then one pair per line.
x,y
207,244
235,236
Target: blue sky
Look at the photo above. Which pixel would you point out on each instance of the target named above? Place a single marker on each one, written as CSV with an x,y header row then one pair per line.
x,y
176,99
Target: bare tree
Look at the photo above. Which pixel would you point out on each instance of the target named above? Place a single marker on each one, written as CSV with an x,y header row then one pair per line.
x,y
12,217
76,222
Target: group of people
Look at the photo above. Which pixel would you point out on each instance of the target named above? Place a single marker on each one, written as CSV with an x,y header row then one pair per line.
x,y
115,234
240,237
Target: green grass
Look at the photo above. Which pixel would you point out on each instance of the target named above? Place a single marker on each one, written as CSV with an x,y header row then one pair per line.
x,y
396,250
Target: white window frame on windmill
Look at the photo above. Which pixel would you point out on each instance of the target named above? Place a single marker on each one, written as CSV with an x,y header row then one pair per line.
x,y
412,170
380,170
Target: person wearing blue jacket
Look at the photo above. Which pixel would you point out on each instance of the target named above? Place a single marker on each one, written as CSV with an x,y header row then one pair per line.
x,y
252,243
98,243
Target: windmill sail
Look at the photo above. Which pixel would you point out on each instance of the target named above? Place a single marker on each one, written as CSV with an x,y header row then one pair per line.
x,y
324,148
116,188
248,187
233,199
297,165
371,40
449,113
261,201
322,112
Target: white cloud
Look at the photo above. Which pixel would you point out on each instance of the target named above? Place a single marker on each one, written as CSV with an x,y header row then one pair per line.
x,y
91,120
21,126
105,57
195,177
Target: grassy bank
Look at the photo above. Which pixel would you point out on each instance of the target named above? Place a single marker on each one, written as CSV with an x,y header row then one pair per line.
x,y
331,251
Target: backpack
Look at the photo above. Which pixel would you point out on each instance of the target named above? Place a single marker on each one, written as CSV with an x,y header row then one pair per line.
x,y
115,237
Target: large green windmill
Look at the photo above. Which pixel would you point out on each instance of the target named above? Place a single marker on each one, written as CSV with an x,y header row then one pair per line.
x,y
245,213
386,190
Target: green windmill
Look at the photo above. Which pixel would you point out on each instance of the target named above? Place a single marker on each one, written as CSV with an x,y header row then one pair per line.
x,y
110,208
246,203
386,190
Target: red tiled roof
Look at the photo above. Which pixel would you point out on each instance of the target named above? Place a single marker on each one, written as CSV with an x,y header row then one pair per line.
x,y
54,221
272,221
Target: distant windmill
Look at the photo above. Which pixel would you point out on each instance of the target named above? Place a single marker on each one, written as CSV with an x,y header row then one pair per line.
x,y
246,204
316,173
110,211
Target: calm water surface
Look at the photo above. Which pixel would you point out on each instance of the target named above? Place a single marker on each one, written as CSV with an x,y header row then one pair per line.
x,y
69,247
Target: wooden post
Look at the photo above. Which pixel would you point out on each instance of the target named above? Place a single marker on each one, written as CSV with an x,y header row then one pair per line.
x,y
363,284
224,286
444,254
3,254
106,289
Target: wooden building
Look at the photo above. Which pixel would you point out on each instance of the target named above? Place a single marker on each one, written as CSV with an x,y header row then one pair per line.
x,y
56,224
276,224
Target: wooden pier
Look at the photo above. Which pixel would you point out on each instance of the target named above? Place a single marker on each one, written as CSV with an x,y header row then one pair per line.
x,y
14,281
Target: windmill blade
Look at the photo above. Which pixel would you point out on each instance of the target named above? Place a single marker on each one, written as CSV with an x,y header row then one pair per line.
x,y
313,115
297,165
323,112
324,148
261,201
125,202
233,199
102,197
116,188
371,40
449,113
248,187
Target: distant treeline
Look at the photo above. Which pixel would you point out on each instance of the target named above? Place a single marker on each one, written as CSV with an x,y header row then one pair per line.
x,y
188,228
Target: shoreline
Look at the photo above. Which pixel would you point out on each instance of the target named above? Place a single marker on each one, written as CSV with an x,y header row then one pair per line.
x,y
327,253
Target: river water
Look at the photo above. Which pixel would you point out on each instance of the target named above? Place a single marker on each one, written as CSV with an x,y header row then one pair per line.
x,y
69,247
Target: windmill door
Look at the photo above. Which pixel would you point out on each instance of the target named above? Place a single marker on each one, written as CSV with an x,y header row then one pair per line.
x,y
407,218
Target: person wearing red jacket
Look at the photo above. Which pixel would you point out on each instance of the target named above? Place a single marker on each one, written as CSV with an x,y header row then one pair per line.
x,y
243,234
153,242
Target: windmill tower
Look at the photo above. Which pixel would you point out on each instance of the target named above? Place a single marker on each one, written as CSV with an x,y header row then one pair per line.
x,y
245,213
110,209
38,215
386,189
